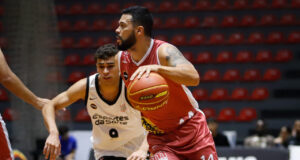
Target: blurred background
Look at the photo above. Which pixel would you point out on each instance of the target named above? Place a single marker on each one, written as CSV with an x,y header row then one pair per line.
x,y
247,53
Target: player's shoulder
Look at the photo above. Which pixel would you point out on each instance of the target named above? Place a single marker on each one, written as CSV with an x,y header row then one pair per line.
x,y
81,84
164,49
118,56
165,46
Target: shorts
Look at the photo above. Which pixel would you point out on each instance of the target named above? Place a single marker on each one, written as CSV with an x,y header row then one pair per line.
x,y
124,150
112,158
5,148
192,140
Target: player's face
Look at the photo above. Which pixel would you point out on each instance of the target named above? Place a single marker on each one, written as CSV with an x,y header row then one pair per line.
x,y
107,69
125,33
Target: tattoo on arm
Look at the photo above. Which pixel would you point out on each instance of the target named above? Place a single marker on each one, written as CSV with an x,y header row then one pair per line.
x,y
175,57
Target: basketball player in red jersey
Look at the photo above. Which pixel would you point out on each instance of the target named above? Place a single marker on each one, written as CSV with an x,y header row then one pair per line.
x,y
10,81
177,130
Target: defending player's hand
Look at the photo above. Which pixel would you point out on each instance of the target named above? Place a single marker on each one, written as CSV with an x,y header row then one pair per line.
x,y
52,147
41,103
138,155
144,70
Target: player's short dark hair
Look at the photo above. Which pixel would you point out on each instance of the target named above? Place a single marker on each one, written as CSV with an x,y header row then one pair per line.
x,y
141,17
63,130
106,51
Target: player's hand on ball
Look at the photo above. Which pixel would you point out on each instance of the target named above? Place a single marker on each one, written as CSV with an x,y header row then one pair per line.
x,y
138,155
144,70
52,147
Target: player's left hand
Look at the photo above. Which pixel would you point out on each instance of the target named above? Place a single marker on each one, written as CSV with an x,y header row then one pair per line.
x,y
144,70
52,148
138,155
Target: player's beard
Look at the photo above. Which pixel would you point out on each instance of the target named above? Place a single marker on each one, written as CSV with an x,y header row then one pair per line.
x,y
128,43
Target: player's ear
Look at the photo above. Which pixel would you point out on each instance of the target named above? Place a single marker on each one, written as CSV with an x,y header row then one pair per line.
x,y
140,30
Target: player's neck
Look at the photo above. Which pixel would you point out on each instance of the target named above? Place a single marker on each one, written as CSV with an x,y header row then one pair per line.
x,y
140,48
110,91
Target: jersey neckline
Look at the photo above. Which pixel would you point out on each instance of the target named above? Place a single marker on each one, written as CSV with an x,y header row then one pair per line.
x,y
145,56
100,95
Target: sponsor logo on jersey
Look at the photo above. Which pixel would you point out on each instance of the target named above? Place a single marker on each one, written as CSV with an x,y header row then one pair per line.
x,y
92,98
151,127
125,75
93,106
101,119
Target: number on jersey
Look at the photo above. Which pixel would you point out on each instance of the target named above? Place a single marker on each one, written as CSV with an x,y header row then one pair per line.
x,y
113,133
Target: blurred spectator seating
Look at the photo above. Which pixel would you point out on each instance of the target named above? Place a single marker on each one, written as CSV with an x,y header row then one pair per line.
x,y
72,60
219,94
3,95
209,112
251,75
272,74
75,76
82,116
226,114
244,57
204,57
224,57
239,94
200,94
211,75
247,114
259,93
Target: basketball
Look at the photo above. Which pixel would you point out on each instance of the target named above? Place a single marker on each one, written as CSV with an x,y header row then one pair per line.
x,y
148,93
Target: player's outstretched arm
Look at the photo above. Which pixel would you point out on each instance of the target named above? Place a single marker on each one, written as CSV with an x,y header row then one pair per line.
x,y
173,66
64,99
10,81
141,153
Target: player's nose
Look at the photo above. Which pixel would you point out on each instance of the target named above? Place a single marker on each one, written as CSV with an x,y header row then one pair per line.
x,y
117,30
106,70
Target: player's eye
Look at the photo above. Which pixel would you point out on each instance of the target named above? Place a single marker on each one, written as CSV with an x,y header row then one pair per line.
x,y
122,25
111,66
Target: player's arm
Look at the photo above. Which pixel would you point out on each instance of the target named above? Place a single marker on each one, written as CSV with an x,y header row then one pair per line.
x,y
174,66
10,81
64,99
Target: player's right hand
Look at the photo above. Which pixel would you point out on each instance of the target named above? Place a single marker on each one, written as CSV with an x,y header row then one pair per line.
x,y
41,103
138,155
52,147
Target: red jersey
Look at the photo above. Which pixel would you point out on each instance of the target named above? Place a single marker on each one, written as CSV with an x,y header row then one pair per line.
x,y
5,148
181,104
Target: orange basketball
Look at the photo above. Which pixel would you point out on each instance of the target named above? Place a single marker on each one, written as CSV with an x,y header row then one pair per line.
x,y
148,93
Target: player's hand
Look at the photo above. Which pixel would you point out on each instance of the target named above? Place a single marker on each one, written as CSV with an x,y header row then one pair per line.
x,y
144,70
52,147
138,155
41,102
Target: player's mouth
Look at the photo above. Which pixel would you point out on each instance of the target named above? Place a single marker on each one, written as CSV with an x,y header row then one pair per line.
x,y
106,78
119,41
